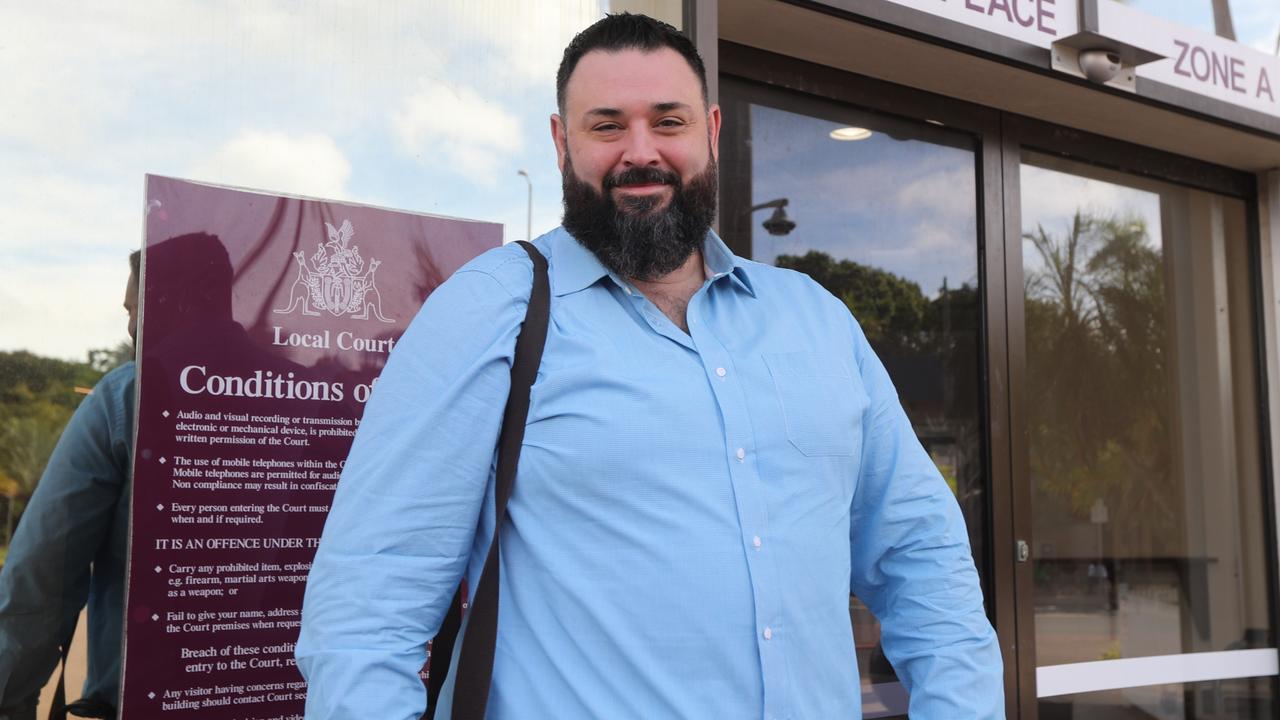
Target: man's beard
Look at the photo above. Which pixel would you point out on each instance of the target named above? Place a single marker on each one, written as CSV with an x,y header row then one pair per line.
x,y
635,238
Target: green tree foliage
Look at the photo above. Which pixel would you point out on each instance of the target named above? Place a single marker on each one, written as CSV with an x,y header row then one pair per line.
x,y
1097,374
37,397
897,318
890,309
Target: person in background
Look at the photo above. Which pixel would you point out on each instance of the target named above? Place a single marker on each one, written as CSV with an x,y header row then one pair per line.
x,y
70,549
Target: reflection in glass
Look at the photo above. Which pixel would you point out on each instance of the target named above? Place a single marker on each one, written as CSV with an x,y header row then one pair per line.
x,y
1142,422
882,213
1213,700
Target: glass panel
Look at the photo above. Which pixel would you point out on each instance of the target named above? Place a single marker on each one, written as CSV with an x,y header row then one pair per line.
x,y
429,106
1142,418
885,217
1215,700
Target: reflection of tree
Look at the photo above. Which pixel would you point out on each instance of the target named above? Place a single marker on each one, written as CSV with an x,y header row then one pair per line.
x,y
890,309
1096,374
36,400
897,318
930,348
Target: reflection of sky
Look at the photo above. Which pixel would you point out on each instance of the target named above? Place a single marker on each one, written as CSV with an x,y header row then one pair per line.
x,y
905,206
1051,198
422,105
1257,22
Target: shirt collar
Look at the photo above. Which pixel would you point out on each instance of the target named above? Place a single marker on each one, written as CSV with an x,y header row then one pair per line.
x,y
574,267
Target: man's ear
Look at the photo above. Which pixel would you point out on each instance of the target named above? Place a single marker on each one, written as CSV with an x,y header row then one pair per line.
x,y
560,139
713,131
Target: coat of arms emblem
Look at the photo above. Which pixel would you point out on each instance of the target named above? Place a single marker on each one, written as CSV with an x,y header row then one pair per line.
x,y
336,280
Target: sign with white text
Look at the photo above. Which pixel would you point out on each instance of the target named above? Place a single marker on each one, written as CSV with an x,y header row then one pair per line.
x,y
265,323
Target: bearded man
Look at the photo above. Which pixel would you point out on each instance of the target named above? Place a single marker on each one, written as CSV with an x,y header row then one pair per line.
x,y
713,460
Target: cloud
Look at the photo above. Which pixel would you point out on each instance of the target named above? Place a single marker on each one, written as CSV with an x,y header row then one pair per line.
x,y
455,124
48,323
1050,198
50,219
951,194
329,99
305,164
1257,24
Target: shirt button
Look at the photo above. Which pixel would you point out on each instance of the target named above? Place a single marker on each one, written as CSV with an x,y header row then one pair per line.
x,y
720,372
755,541
768,633
741,454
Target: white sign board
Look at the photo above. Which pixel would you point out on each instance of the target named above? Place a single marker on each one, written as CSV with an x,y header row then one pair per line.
x,y
1198,61
1035,22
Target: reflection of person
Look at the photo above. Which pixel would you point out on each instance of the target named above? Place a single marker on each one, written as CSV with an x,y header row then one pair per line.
x,y
70,548
714,458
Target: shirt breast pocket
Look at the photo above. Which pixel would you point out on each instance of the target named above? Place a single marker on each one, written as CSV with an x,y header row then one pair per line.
x,y
822,402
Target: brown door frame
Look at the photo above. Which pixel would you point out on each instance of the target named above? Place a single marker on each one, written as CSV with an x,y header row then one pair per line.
x,y
805,83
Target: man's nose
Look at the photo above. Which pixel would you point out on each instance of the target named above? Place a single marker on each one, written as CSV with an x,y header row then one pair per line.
x,y
641,148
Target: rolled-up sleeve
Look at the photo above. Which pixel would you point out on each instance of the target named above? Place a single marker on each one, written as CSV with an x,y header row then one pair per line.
x,y
404,518
912,565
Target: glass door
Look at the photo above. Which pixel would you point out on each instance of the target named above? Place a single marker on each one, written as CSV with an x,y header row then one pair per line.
x,y
1139,447
885,213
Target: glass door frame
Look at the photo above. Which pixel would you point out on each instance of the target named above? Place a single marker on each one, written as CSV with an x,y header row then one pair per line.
x,y
1019,134
1001,138
791,80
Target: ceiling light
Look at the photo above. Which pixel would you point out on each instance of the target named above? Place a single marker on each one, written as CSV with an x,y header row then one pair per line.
x,y
850,133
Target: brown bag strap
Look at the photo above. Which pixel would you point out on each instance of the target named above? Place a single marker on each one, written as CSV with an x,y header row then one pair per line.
x,y
475,663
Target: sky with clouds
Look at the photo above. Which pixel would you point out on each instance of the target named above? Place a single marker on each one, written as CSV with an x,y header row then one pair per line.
x,y
902,200
423,105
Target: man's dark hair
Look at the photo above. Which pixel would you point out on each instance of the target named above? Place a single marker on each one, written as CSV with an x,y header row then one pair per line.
x,y
135,263
626,31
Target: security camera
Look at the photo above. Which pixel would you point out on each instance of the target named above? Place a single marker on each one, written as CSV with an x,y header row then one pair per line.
x,y
1099,66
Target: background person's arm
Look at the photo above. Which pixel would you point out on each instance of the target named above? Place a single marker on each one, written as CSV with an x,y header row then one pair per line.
x,y
404,518
913,567
45,581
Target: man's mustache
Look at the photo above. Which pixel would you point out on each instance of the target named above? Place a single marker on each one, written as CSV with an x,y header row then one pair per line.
x,y
641,176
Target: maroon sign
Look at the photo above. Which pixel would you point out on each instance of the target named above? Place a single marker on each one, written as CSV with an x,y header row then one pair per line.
x,y
265,322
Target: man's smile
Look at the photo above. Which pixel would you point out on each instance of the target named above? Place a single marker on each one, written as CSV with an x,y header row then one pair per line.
x,y
642,188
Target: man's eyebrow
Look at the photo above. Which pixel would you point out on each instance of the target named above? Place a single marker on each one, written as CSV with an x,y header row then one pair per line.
x,y
661,107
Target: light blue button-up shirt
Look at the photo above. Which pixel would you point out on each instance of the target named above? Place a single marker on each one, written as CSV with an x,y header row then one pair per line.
x,y
690,514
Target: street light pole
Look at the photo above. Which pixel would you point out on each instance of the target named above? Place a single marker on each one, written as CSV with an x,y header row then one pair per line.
x,y
528,228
